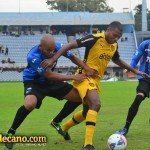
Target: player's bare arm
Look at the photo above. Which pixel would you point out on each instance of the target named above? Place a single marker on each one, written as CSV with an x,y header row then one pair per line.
x,y
59,77
49,62
89,71
124,65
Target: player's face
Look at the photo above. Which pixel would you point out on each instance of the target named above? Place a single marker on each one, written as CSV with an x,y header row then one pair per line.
x,y
47,49
113,35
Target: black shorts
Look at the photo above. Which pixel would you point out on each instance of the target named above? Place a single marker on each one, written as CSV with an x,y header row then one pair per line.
x,y
144,87
55,89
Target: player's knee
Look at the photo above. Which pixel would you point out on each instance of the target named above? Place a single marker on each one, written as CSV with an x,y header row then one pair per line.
x,y
30,106
138,99
96,106
140,96
30,103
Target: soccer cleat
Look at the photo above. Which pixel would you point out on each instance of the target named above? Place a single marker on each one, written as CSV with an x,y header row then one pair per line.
x,y
122,131
9,145
58,128
88,147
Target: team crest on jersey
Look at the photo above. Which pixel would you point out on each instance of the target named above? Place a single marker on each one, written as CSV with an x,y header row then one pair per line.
x,y
91,84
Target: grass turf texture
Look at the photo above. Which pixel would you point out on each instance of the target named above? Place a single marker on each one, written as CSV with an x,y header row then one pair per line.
x,y
116,98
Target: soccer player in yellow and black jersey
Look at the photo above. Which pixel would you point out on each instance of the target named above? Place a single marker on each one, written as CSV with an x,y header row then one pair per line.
x,y
100,49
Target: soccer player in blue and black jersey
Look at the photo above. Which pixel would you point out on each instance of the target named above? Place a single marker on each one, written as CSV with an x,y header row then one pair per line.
x,y
39,82
143,88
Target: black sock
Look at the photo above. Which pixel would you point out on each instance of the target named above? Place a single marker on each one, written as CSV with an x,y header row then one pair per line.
x,y
133,110
19,118
68,108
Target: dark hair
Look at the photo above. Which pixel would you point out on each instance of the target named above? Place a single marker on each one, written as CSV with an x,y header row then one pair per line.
x,y
115,24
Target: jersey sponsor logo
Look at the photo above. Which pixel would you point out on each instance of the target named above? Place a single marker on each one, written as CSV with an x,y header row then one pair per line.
x,y
33,60
83,41
28,90
91,84
105,56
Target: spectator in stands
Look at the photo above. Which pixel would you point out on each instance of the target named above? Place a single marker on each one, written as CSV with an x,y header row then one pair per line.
x,y
143,88
1,48
122,39
10,61
126,38
39,83
60,32
100,49
41,30
31,32
95,30
3,61
6,51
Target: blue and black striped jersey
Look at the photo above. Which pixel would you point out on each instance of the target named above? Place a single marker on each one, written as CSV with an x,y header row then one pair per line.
x,y
142,54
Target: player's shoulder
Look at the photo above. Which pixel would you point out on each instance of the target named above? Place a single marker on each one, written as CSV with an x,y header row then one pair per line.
x,y
34,53
146,42
58,45
99,35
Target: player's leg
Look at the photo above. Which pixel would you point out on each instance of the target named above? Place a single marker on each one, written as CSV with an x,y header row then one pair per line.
x,y
67,109
93,101
32,99
23,111
72,96
132,113
142,92
63,90
77,118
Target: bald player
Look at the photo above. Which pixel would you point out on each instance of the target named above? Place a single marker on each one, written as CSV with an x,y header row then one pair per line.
x,y
39,82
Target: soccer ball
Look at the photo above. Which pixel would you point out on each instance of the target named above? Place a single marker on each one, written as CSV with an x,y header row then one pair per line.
x,y
117,142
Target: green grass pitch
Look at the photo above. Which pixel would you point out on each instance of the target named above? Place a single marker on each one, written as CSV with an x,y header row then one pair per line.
x,y
116,98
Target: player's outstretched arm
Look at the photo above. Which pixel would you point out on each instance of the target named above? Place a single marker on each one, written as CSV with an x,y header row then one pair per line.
x,y
124,65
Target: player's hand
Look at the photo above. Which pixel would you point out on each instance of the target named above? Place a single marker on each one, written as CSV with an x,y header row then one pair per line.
x,y
92,72
79,77
47,63
143,74
125,71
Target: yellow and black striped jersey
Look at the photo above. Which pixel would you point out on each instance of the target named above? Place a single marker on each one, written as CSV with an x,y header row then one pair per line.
x,y
98,52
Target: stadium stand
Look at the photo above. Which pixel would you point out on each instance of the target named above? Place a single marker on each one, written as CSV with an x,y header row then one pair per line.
x,y
20,45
